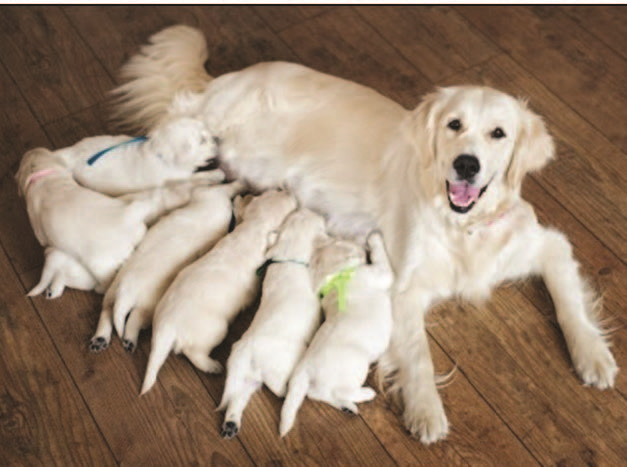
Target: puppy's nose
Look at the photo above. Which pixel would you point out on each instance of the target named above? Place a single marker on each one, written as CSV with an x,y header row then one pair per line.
x,y
466,166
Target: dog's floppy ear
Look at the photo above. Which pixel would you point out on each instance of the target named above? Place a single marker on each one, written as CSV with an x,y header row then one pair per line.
x,y
423,126
534,148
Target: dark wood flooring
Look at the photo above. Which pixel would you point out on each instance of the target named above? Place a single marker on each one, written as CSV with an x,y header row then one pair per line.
x,y
514,399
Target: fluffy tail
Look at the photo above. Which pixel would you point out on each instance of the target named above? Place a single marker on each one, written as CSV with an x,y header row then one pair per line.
x,y
162,344
173,61
297,390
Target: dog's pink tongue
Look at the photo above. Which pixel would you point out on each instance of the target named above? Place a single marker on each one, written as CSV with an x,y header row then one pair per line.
x,y
462,193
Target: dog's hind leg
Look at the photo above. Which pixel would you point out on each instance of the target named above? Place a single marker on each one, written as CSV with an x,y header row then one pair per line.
x,y
236,405
201,360
102,337
138,319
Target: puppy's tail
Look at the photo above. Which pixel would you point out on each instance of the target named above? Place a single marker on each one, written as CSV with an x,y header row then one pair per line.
x,y
296,392
47,275
171,62
162,344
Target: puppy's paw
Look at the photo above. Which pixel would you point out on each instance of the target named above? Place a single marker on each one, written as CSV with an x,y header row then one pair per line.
x,y
229,430
98,344
596,366
348,411
129,345
428,421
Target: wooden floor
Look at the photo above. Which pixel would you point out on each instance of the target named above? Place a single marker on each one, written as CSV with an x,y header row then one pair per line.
x,y
514,399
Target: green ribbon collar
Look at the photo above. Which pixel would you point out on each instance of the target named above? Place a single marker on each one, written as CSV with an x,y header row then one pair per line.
x,y
338,281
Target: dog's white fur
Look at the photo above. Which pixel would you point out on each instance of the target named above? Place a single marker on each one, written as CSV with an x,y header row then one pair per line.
x,y
92,230
174,242
336,364
367,162
60,271
174,150
193,315
288,315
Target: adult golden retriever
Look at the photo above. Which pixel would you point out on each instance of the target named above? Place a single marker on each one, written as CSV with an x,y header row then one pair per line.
x,y
442,182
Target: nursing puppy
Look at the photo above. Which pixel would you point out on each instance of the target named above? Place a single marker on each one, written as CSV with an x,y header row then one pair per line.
x,y
114,165
287,317
442,183
171,244
87,228
356,331
193,315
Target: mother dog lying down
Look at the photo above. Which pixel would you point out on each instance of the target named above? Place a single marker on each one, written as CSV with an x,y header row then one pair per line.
x,y
442,182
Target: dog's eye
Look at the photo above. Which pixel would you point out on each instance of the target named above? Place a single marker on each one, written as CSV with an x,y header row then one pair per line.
x,y
455,125
497,133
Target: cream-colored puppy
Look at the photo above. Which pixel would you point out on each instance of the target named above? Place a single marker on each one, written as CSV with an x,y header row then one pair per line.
x,y
115,165
193,315
171,244
355,333
288,315
91,229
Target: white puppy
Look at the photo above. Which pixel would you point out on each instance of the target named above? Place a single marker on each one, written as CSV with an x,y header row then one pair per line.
x,y
288,315
92,230
193,315
114,165
171,244
356,331
442,182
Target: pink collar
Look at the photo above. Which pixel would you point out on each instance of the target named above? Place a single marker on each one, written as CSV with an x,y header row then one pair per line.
x,y
36,176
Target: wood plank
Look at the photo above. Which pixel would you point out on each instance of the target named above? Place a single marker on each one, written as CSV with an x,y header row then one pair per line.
x,y
571,62
435,39
114,33
19,129
589,175
140,431
346,46
56,72
236,36
519,363
280,17
43,417
608,23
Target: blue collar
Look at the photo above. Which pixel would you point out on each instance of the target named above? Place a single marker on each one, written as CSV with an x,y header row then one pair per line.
x,y
99,154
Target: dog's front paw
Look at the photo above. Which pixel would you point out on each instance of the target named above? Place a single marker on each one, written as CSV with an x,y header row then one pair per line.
x,y
229,430
98,344
596,366
428,421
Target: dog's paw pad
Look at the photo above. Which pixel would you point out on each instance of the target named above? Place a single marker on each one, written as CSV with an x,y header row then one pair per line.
x,y
98,344
48,294
129,346
348,411
229,430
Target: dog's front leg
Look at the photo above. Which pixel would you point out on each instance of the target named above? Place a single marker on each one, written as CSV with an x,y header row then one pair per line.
x,y
575,308
409,354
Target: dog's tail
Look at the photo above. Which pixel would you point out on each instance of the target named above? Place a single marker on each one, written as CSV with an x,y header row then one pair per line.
x,y
171,62
47,275
296,392
163,340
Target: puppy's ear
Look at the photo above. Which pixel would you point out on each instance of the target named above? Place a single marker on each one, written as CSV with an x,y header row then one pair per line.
x,y
423,126
534,148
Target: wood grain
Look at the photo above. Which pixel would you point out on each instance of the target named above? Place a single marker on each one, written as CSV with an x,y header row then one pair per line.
x,y
43,417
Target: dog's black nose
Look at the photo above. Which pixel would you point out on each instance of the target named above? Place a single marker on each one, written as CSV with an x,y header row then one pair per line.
x,y
466,166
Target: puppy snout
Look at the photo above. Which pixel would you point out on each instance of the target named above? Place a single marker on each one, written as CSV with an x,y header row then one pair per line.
x,y
466,166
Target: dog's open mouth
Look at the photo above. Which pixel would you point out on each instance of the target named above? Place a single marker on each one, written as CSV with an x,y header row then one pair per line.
x,y
462,196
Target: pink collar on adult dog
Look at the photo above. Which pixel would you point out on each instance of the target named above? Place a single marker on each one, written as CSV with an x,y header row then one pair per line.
x,y
36,176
